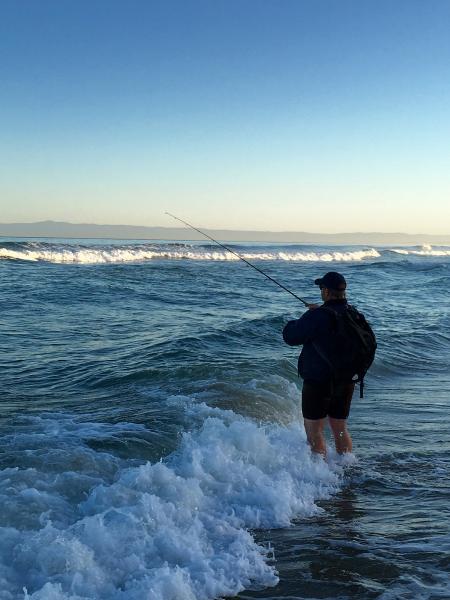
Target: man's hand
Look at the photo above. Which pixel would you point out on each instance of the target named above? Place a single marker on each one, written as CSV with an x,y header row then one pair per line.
x,y
313,306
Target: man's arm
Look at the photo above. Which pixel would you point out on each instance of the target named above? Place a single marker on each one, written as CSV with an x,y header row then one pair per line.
x,y
299,331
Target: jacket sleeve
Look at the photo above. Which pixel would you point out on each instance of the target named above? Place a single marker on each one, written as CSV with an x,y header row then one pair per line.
x,y
299,331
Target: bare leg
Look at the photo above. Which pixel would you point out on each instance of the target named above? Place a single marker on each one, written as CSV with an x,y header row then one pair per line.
x,y
342,439
314,435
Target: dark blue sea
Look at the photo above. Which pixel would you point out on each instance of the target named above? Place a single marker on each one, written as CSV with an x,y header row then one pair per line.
x,y
151,437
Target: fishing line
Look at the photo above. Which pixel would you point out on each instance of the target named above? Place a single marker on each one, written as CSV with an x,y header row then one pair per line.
x,y
240,257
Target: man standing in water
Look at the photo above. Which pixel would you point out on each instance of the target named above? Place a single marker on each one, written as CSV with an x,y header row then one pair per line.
x,y
338,347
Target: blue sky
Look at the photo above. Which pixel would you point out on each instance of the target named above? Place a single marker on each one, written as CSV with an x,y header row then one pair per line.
x,y
308,115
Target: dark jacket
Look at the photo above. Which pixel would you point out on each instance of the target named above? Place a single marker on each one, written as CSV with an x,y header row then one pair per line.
x,y
315,325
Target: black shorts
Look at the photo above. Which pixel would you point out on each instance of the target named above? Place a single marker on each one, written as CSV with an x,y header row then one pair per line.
x,y
320,400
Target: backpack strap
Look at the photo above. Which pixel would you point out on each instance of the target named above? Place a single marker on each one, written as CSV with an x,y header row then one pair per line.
x,y
316,346
323,356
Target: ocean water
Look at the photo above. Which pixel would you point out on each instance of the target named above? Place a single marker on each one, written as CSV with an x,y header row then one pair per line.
x,y
151,437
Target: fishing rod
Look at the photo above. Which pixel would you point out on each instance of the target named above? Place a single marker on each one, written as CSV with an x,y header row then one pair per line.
x,y
240,257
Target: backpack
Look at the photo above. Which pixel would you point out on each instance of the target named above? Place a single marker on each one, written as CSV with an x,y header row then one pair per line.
x,y
350,347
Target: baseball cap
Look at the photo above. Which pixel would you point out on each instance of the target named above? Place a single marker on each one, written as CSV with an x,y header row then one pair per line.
x,y
332,281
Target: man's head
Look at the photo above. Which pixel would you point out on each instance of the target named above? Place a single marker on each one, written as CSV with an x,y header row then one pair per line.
x,y
332,286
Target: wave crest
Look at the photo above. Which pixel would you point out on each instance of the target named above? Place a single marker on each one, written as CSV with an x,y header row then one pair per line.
x,y
67,254
425,250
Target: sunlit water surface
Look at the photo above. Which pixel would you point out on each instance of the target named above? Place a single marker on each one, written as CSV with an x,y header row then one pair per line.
x,y
151,444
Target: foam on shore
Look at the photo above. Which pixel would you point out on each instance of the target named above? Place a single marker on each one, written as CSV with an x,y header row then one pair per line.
x,y
104,528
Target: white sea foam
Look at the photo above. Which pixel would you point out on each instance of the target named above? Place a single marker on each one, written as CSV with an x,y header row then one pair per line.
x,y
123,255
425,250
175,530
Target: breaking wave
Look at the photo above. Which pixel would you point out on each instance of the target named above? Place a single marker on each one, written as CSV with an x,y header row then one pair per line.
x,y
76,254
180,528
425,250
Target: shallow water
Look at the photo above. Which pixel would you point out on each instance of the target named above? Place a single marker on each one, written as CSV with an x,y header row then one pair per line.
x,y
151,443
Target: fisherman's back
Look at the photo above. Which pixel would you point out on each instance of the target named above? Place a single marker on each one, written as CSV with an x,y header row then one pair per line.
x,y
313,328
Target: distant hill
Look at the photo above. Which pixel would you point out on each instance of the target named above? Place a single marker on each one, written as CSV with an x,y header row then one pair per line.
x,y
87,230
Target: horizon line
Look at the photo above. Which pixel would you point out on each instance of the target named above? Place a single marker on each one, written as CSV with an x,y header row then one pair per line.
x,y
266,231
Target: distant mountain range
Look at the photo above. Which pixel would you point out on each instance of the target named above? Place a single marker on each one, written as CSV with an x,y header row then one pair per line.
x,y
87,230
